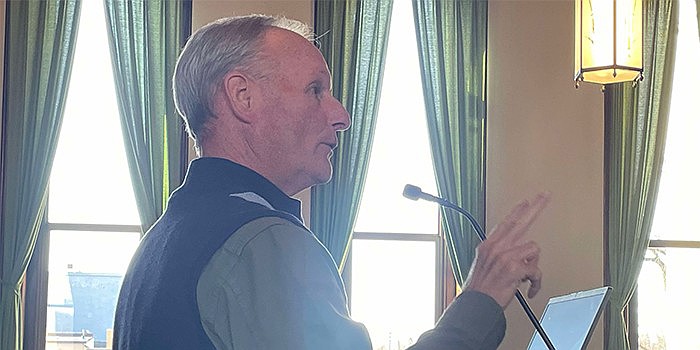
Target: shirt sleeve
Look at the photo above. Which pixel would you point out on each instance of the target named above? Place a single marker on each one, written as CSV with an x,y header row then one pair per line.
x,y
273,285
473,321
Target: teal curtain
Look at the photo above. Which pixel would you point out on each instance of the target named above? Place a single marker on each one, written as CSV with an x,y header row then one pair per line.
x,y
452,50
353,38
145,38
697,12
636,121
39,45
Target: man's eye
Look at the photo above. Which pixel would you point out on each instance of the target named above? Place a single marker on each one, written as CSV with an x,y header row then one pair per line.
x,y
317,91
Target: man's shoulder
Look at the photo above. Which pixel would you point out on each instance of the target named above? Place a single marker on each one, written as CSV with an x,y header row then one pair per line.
x,y
268,230
282,245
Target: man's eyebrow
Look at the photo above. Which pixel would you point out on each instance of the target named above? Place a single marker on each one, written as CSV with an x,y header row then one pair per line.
x,y
322,82
314,83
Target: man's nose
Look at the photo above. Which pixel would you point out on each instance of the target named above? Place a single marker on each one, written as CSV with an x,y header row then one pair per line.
x,y
338,116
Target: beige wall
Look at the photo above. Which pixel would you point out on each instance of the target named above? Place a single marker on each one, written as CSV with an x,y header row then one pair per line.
x,y
205,11
543,133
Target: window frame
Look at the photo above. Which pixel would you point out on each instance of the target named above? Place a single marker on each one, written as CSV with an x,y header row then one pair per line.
x,y
37,275
35,286
445,286
631,313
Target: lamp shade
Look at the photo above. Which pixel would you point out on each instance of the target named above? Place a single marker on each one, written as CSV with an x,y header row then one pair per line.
x,y
608,41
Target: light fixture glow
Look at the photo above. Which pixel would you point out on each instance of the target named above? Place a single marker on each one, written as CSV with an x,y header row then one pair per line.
x,y
608,41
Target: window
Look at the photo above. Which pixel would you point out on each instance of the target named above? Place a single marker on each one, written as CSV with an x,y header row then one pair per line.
x,y
396,250
92,220
668,307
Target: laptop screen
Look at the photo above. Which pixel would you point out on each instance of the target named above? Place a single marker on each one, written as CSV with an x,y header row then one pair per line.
x,y
570,319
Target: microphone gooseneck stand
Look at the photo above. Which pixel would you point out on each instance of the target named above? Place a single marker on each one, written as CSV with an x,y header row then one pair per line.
x,y
415,193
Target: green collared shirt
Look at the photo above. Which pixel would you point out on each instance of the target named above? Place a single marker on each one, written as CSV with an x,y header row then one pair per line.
x,y
274,286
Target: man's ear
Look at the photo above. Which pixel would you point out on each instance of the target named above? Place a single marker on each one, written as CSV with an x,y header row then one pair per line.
x,y
238,94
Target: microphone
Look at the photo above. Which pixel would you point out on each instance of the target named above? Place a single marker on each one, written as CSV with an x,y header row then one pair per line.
x,y
415,193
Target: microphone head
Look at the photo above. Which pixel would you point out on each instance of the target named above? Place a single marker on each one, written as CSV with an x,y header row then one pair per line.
x,y
412,192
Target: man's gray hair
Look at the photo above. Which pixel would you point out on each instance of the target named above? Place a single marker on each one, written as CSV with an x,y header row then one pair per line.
x,y
210,53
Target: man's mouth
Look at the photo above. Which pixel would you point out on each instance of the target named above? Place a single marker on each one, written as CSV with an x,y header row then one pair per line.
x,y
331,144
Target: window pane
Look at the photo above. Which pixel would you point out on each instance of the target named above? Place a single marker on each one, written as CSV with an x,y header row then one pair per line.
x,y
677,206
668,302
401,150
85,274
393,290
90,180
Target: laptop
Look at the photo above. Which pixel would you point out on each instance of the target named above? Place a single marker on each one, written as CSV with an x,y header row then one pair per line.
x,y
569,320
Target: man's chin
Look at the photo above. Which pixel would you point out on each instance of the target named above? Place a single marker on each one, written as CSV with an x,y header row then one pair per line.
x,y
326,179
325,176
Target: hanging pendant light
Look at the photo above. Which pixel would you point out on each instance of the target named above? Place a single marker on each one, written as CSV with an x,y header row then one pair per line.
x,y
608,41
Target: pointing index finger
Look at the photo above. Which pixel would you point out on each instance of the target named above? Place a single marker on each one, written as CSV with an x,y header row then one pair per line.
x,y
527,217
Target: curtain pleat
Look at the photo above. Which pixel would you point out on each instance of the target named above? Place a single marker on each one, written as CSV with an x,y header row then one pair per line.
x,y
39,47
697,11
353,38
636,122
36,297
452,50
145,38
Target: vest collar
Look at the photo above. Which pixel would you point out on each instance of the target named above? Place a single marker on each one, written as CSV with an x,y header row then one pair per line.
x,y
222,176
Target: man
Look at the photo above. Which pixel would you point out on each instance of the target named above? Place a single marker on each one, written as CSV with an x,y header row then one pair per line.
x,y
230,265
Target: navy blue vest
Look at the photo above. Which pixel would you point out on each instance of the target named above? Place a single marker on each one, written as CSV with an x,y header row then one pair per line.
x,y
157,306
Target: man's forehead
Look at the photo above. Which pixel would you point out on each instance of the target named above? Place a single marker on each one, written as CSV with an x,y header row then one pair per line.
x,y
287,46
280,39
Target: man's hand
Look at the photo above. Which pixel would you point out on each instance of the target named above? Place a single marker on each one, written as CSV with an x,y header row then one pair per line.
x,y
506,258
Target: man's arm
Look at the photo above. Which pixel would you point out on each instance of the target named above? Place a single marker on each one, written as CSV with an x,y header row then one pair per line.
x,y
474,321
506,259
